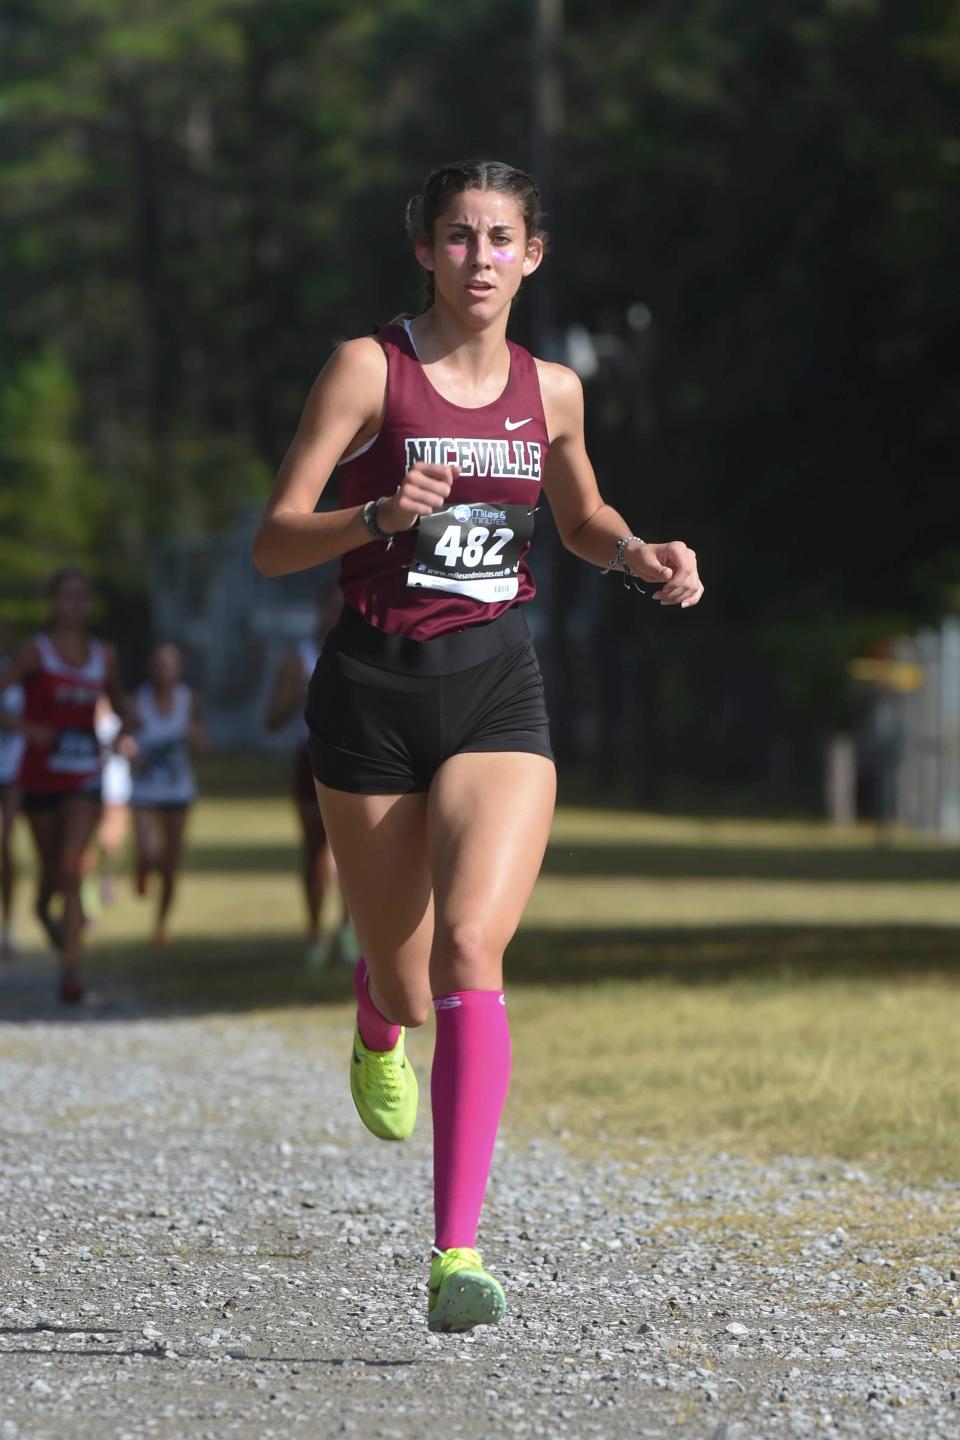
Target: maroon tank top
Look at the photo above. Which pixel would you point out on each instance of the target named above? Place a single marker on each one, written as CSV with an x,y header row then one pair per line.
x,y
467,564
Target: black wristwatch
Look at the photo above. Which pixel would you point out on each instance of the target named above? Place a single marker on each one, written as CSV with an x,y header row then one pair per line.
x,y
370,519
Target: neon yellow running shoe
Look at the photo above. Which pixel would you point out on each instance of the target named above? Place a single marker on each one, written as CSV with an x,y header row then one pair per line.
x,y
384,1089
462,1293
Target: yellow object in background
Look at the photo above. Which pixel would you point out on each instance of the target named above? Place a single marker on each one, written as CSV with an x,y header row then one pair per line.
x,y
900,675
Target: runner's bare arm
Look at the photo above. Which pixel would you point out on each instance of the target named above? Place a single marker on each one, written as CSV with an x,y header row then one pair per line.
x,y
588,526
111,685
343,411
288,691
25,663
196,735
126,743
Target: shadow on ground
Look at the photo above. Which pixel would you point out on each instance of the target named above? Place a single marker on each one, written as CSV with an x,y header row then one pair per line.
x,y
875,864
254,972
250,970
867,864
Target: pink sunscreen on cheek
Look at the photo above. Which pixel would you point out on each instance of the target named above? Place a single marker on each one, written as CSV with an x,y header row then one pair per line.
x,y
457,251
503,256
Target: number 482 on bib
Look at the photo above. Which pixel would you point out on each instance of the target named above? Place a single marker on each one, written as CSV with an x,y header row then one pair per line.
x,y
472,550
469,550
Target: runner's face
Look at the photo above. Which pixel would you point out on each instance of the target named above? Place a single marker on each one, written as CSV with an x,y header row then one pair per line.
x,y
165,665
479,253
71,603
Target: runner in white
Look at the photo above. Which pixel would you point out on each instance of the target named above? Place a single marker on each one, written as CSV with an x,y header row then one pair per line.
x,y
168,729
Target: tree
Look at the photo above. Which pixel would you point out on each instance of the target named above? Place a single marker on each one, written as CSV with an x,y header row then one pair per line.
x,y
50,502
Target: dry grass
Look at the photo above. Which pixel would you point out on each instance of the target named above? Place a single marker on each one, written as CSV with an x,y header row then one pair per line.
x,y
756,987
860,1069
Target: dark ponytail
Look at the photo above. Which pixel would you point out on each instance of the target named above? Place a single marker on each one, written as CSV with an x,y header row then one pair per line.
x,y
448,181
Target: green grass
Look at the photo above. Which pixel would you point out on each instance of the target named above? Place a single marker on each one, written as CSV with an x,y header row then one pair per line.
x,y
758,988
813,1066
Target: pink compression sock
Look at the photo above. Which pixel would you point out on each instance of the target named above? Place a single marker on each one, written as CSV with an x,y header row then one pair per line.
x,y
471,1073
375,1032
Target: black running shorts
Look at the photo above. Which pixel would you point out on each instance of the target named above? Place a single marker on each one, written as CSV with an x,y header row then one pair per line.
x,y
49,802
384,711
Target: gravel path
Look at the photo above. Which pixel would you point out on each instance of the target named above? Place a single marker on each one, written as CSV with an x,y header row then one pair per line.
x,y
198,1239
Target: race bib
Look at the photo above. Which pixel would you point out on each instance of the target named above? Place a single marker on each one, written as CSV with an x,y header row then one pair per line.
x,y
164,765
75,752
472,550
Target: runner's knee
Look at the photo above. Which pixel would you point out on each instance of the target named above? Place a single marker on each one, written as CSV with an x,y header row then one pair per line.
x,y
466,955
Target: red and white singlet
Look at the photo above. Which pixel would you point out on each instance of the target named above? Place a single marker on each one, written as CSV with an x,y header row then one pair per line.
x,y
62,697
466,564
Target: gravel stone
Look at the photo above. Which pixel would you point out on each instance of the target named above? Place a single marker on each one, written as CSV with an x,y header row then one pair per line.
x,y
198,1239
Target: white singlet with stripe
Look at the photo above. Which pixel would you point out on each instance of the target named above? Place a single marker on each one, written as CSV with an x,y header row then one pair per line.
x,y
11,742
163,774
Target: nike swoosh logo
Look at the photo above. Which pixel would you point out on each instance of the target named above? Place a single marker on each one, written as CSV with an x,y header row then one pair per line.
x,y
515,424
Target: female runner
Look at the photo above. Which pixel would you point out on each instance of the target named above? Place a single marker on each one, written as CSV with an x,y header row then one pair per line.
x,y
168,727
319,869
63,671
429,735
11,751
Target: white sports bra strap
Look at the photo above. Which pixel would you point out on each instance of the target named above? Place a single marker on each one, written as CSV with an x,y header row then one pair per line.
x,y
95,667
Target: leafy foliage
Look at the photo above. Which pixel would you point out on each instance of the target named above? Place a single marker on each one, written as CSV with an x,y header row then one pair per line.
x,y
50,503
754,204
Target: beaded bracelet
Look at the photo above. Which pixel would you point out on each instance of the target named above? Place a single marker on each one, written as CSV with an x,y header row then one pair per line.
x,y
372,521
619,564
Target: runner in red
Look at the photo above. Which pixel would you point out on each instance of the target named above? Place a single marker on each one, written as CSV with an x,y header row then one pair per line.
x,y
63,671
429,737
